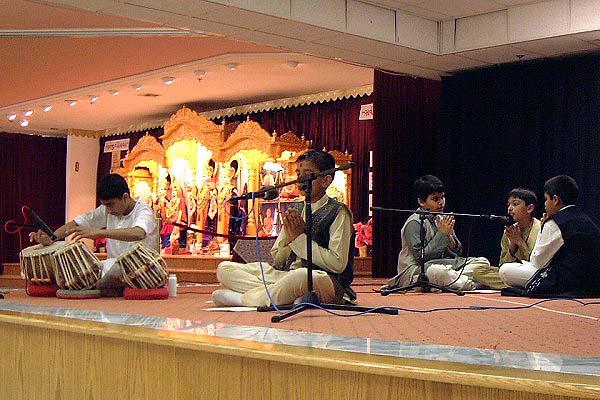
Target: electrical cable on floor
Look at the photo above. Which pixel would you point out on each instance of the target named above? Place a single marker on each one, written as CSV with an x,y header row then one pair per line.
x,y
431,310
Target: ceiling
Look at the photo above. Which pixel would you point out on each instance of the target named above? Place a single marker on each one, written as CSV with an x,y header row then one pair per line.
x,y
61,50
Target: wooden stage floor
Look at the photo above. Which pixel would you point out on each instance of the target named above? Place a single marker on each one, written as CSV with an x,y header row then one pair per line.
x,y
556,337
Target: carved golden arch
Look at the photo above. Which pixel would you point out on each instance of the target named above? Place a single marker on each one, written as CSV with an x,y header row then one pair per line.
x,y
289,141
187,124
147,153
146,149
249,135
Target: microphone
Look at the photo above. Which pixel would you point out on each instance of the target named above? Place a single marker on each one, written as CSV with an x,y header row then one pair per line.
x,y
41,224
508,220
267,192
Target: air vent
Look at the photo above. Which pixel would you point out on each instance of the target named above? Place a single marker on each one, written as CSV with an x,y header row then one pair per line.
x,y
149,95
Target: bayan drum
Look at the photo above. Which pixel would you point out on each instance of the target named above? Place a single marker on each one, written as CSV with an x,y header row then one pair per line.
x,y
38,263
143,268
77,268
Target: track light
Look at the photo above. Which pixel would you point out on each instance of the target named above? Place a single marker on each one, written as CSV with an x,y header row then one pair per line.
x,y
114,92
28,113
47,108
11,117
167,80
199,73
231,66
72,103
137,87
24,123
93,98
292,64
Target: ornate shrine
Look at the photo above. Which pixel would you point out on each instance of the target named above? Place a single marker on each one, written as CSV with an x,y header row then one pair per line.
x,y
191,177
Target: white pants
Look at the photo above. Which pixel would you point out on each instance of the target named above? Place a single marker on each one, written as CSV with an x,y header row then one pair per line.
x,y
284,286
516,274
444,275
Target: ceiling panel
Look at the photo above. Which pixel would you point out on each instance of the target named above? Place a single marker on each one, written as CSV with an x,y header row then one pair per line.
x,y
375,48
294,29
499,54
448,62
556,46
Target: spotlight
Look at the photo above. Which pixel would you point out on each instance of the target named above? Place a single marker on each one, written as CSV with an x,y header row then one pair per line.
x,y
167,80
199,73
11,117
93,98
137,87
231,66
28,113
24,123
114,92
47,108
72,103
292,64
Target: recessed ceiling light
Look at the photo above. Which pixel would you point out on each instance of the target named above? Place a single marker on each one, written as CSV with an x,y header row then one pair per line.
x,y
47,108
11,117
292,64
137,87
24,123
28,113
72,103
199,73
231,66
167,80
114,92
93,98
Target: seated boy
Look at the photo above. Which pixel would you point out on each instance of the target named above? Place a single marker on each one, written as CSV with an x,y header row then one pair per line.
x,y
333,258
566,255
442,247
517,241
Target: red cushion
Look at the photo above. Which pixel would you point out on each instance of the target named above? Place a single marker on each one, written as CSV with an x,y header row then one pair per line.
x,y
41,290
78,294
146,294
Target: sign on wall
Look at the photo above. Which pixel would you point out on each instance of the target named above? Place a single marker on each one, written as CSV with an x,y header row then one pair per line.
x,y
366,112
116,145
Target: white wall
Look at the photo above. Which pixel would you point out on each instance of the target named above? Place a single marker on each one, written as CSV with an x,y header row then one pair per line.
x,y
81,184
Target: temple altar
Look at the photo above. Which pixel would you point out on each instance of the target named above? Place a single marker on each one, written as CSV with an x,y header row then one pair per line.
x,y
190,176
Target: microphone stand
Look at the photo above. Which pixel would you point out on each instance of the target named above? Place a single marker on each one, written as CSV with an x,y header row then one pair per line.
x,y
422,280
311,299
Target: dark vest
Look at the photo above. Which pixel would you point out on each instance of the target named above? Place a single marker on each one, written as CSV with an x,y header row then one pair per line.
x,y
575,268
322,220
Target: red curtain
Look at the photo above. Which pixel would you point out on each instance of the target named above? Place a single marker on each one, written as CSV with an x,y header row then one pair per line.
x,y
33,174
406,111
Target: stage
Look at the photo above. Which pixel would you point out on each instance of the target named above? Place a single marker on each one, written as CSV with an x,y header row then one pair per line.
x,y
175,348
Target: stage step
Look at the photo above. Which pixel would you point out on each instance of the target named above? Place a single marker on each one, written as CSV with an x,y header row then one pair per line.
x,y
193,275
12,281
11,269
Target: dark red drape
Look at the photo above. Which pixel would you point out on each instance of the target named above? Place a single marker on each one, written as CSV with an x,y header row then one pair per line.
x,y
406,111
33,174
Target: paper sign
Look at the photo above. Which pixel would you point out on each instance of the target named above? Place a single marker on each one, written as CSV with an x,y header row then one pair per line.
x,y
116,145
366,112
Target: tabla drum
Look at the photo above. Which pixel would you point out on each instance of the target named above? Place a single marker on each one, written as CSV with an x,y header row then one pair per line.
x,y
143,268
77,268
38,263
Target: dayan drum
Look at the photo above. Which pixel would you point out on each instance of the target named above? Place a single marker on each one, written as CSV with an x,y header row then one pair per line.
x,y
38,263
143,268
77,268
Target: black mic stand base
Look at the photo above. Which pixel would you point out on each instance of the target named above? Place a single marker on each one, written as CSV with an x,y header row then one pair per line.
x,y
423,283
312,298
